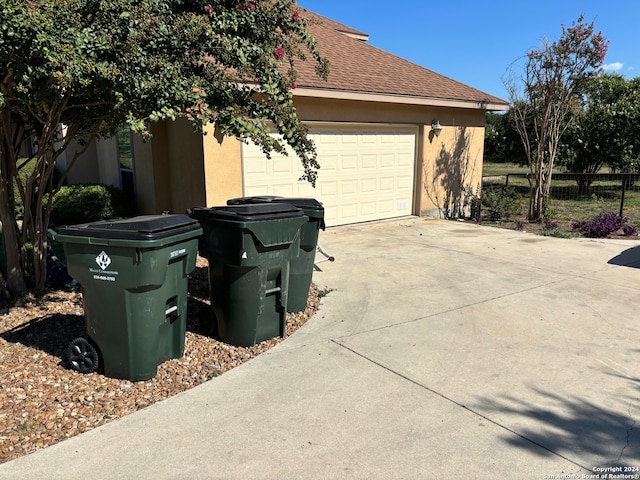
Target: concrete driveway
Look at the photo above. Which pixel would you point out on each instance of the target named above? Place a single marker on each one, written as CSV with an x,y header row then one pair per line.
x,y
442,350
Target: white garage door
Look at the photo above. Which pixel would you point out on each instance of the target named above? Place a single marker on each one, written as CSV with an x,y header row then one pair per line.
x,y
367,172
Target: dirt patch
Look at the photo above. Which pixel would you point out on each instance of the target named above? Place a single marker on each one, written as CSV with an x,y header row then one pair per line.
x,y
43,402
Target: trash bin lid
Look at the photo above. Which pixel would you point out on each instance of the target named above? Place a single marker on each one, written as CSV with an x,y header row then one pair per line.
x,y
300,202
253,199
141,228
312,207
251,212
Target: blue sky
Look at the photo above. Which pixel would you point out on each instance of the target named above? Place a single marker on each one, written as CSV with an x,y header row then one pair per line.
x,y
475,42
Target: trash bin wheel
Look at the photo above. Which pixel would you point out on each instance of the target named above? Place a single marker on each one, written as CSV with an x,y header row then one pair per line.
x,y
83,356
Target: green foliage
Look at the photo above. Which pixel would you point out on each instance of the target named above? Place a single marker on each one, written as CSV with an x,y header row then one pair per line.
x,y
138,62
501,203
502,142
556,233
94,65
84,203
324,292
603,131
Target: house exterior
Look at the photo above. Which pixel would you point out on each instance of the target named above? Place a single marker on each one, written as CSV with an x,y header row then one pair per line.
x,y
371,122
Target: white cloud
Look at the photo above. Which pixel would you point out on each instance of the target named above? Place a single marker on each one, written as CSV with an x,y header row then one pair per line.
x,y
612,67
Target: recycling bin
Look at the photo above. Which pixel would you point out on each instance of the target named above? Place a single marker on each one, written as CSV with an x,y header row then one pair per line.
x,y
249,249
133,274
301,268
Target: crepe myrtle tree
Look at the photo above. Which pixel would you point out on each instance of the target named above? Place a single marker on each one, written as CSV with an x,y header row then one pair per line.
x,y
544,92
78,69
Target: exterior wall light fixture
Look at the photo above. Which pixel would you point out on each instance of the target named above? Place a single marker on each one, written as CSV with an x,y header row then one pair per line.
x,y
436,128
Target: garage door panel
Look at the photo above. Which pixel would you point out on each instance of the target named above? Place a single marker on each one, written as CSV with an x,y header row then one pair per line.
x,y
386,206
285,191
346,139
368,209
256,168
327,138
255,190
330,163
329,189
349,187
387,140
387,185
388,160
349,213
348,163
404,184
283,165
403,163
366,172
366,139
369,162
368,186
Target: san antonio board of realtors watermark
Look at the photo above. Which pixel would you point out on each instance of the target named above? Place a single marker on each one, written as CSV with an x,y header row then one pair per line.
x,y
601,473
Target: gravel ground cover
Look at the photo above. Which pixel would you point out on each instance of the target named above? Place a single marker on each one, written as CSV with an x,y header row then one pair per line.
x,y
43,402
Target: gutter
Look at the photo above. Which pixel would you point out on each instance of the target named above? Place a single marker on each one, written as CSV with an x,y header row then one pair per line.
x,y
398,99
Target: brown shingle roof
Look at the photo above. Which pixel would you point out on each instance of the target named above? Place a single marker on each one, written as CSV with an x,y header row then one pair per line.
x,y
359,67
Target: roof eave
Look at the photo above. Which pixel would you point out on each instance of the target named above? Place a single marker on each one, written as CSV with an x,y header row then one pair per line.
x,y
399,99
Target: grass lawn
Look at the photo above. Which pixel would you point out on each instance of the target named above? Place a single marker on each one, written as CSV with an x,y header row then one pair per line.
x,y
503,168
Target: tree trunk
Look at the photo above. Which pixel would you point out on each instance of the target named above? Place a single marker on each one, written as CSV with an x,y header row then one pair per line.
x,y
536,193
584,183
14,249
536,203
36,214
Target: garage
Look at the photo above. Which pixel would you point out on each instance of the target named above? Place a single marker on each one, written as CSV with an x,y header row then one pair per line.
x,y
367,172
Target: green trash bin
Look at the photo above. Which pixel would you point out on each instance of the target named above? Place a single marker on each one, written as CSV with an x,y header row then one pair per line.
x,y
301,269
249,249
133,274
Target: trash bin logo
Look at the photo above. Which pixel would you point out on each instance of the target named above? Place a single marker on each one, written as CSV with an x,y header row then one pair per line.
x,y
103,260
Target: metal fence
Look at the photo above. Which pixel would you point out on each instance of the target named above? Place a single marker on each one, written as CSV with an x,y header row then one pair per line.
x,y
577,196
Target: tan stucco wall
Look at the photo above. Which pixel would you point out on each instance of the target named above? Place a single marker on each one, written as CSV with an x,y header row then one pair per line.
x,y
452,163
222,167
186,166
150,172
182,169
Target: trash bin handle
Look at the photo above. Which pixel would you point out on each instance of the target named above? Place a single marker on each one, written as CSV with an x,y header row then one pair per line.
x,y
272,290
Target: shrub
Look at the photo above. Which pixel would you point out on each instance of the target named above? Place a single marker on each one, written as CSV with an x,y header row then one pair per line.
x,y
502,203
601,226
630,230
83,203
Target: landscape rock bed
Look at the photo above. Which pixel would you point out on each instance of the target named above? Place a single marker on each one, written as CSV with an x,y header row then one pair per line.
x,y
43,402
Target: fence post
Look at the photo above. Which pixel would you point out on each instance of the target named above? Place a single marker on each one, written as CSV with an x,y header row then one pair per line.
x,y
506,184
